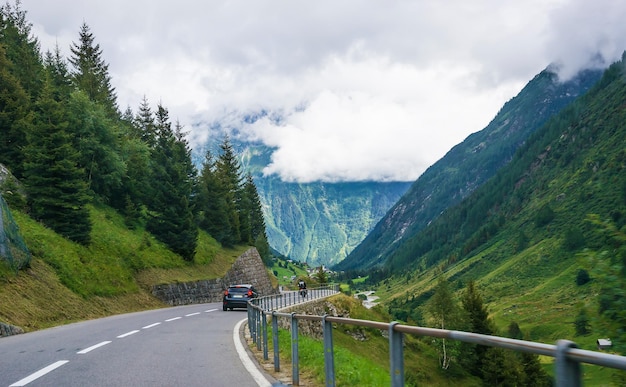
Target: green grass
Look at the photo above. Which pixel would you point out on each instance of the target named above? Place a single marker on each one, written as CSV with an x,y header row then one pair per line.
x,y
284,274
361,355
68,282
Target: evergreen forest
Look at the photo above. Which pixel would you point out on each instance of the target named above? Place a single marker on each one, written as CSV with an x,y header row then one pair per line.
x,y
69,145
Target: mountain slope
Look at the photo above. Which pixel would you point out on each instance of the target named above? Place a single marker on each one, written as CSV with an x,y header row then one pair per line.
x,y
468,165
557,210
318,223
571,167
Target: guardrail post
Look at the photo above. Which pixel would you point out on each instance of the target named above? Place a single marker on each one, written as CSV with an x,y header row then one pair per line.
x,y
251,321
275,341
264,322
295,371
329,356
396,356
567,372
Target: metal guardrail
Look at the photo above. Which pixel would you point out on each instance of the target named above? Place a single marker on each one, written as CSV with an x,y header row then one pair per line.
x,y
568,357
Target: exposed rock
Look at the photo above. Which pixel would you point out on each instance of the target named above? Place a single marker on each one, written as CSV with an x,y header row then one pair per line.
x,y
9,330
247,269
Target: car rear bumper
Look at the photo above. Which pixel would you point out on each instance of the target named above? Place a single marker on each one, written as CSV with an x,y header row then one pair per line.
x,y
236,303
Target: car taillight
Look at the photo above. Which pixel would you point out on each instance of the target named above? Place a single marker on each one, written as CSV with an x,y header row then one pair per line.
x,y
225,292
249,293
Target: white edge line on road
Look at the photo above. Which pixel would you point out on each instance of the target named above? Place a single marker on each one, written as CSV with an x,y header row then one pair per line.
x,y
39,373
172,319
84,351
247,362
151,325
127,334
192,314
210,310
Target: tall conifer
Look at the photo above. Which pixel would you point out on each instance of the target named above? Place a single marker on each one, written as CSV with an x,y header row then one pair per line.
x,y
172,219
212,214
22,48
57,192
91,72
15,118
228,170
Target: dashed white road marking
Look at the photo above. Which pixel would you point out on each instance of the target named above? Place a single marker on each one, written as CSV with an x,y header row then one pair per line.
x,y
84,351
39,373
245,359
127,334
242,354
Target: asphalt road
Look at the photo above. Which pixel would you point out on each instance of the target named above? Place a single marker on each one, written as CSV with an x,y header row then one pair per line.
x,y
192,345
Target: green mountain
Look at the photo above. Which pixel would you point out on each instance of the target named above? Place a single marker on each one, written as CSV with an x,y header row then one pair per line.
x,y
468,165
318,223
544,239
321,223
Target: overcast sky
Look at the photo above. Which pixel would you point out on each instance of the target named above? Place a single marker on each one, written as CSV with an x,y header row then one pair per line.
x,y
365,90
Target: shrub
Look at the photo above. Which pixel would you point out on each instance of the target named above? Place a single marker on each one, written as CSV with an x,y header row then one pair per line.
x,y
582,277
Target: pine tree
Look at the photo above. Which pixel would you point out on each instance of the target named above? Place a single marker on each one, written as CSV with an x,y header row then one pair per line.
x,y
213,217
98,139
478,322
59,73
57,192
228,171
130,197
15,118
22,48
91,72
256,219
144,122
172,219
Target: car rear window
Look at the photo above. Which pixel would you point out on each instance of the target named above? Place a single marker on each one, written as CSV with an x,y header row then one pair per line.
x,y
237,290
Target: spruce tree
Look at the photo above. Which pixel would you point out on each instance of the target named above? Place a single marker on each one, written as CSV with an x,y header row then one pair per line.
x,y
22,48
129,197
91,72
172,219
57,192
144,122
478,322
212,214
98,139
59,73
228,171
256,220
15,118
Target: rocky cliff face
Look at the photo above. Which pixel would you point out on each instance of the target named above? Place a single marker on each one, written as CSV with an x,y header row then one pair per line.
x,y
318,223
321,223
247,269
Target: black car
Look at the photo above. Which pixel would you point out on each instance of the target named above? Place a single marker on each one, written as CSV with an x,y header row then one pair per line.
x,y
237,296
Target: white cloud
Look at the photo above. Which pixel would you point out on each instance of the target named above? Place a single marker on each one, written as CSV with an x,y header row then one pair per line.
x,y
387,87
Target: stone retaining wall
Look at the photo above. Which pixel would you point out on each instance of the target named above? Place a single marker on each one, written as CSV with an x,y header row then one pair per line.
x,y
247,269
318,308
9,330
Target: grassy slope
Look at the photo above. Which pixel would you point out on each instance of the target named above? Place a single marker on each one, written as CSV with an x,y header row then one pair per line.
x,y
68,282
361,355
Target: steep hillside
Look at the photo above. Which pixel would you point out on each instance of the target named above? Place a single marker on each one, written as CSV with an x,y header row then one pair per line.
x,y
321,223
67,282
468,165
525,235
